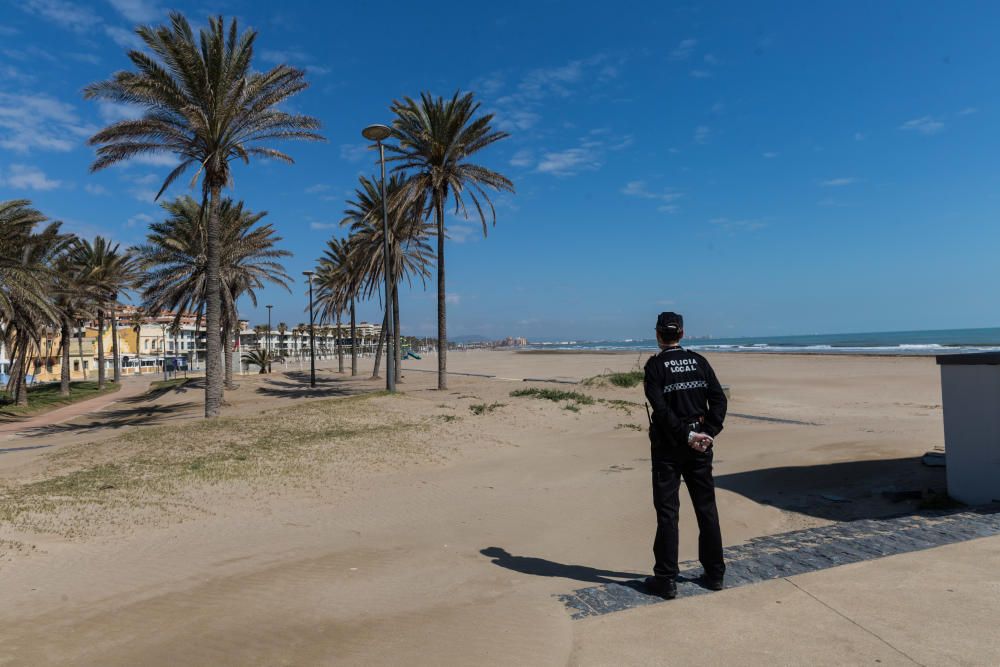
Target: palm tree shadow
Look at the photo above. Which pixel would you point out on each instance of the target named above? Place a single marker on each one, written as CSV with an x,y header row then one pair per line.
x,y
189,384
540,567
297,386
148,415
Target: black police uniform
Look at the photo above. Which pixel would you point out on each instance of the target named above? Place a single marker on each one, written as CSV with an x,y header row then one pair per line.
x,y
686,396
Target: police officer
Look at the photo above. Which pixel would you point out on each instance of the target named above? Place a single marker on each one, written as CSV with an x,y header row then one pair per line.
x,y
689,407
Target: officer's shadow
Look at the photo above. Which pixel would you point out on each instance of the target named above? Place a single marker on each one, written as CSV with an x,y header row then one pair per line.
x,y
547,568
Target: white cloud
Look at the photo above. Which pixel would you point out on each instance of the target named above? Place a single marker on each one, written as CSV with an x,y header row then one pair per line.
x,y
315,189
568,162
684,49
859,136
924,125
66,14
96,189
111,112
770,155
294,57
155,160
7,31
38,121
968,111
518,110
701,134
546,81
838,182
354,152
522,158
640,189
700,73
139,219
27,177
738,225
123,38
453,299
323,225
138,11
711,59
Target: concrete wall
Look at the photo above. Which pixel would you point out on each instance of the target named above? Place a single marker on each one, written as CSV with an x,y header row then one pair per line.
x,y
971,404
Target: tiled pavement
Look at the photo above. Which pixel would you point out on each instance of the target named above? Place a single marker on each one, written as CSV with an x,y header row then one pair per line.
x,y
801,551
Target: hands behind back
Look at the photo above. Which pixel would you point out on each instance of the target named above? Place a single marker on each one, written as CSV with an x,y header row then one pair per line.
x,y
700,442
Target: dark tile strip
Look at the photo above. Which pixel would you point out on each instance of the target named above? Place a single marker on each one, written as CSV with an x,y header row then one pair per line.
x,y
801,551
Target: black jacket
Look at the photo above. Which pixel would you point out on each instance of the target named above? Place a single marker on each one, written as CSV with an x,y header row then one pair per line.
x,y
682,389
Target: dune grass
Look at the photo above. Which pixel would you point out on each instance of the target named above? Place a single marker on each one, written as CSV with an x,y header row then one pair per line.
x,y
484,408
150,469
45,397
625,379
555,395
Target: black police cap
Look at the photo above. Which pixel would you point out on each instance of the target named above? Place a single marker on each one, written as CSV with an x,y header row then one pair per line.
x,y
670,322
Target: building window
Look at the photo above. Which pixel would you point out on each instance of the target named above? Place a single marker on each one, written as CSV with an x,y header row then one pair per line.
x,y
76,366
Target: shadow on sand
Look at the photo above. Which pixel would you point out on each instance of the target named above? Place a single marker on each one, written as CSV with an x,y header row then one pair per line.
x,y
540,567
839,491
146,415
189,384
295,384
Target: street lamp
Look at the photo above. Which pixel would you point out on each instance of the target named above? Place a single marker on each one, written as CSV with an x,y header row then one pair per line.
x,y
378,134
312,333
163,333
267,338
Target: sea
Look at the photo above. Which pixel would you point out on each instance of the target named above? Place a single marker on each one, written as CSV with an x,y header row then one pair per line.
x,y
892,343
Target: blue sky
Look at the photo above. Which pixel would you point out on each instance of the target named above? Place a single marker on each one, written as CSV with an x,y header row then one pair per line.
x,y
777,168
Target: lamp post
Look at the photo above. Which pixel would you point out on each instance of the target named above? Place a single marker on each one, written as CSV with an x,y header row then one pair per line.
x,y
163,333
268,337
312,326
378,134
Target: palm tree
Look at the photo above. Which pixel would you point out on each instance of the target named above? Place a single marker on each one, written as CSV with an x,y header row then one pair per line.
x,y
27,282
261,358
436,138
282,343
409,253
104,272
204,103
333,275
70,302
175,259
135,322
175,333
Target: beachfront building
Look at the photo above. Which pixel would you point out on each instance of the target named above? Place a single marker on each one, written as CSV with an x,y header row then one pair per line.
x,y
292,343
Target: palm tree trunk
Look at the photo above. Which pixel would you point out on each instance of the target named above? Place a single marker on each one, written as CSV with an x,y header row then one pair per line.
x,y
20,389
378,350
354,342
114,343
100,349
138,350
79,347
340,347
64,335
213,310
227,346
442,315
395,330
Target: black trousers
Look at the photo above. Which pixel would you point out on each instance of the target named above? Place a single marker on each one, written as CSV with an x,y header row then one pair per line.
x,y
696,469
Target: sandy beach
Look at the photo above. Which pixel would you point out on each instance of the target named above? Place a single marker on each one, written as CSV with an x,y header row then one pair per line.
x,y
342,526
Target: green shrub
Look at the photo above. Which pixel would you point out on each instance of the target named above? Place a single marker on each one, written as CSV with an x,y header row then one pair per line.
x,y
554,395
485,409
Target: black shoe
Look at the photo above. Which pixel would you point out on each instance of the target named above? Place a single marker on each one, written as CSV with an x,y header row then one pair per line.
x,y
711,583
665,588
